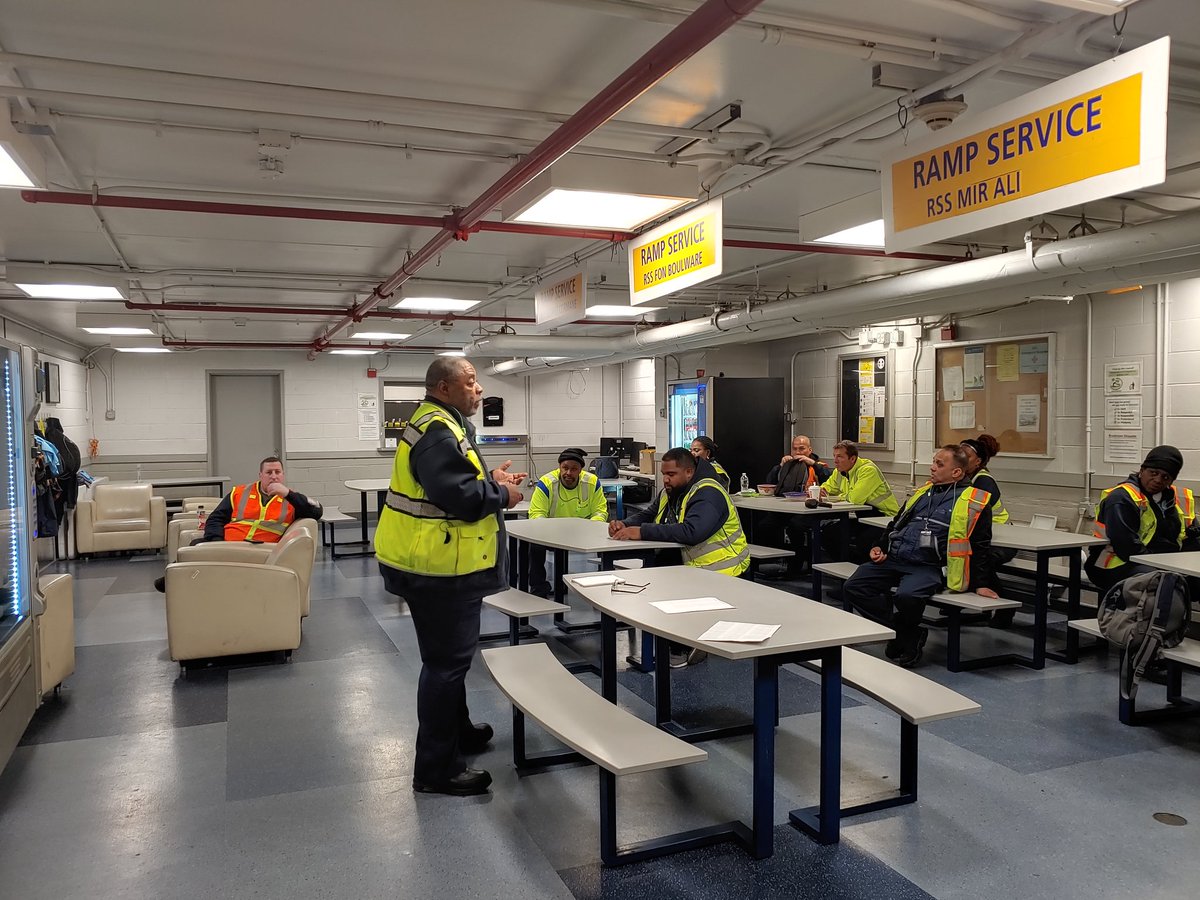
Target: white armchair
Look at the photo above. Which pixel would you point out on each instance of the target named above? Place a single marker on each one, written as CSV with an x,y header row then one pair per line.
x,y
55,626
121,516
228,608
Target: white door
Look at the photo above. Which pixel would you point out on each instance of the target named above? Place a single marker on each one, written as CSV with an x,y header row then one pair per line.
x,y
245,422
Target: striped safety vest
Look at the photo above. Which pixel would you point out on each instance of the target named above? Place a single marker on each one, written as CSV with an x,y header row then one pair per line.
x,y
999,513
1147,523
585,505
963,518
253,520
725,551
415,534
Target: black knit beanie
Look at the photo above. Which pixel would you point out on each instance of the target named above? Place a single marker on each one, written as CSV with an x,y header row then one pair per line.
x,y
1164,457
573,453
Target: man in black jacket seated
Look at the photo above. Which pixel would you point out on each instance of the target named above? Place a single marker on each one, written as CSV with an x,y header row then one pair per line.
x,y
794,473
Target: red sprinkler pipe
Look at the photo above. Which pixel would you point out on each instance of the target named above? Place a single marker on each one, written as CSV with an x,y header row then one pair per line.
x,y
691,35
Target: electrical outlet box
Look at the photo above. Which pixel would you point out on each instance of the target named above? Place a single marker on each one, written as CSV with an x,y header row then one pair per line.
x,y
110,414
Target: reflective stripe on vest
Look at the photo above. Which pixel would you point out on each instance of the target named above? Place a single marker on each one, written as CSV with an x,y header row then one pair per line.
x,y
999,513
1186,505
587,483
726,550
1147,523
415,534
254,521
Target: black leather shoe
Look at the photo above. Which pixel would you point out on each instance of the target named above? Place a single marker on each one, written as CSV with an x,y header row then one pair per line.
x,y
476,738
465,784
909,658
160,584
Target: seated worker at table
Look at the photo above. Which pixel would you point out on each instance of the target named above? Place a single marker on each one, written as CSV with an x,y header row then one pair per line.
x,y
1145,513
242,514
705,447
694,510
796,472
566,493
979,452
947,523
855,480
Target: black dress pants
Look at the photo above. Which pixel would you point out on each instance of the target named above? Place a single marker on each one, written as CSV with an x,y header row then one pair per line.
x,y
447,635
869,590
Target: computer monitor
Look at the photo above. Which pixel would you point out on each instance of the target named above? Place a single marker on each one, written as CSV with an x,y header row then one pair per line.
x,y
620,447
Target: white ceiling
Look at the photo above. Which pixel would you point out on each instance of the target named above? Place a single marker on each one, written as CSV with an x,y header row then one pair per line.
x,y
513,69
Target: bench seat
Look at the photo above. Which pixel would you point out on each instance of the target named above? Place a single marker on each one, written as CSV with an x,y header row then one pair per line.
x,y
618,742
519,605
759,552
331,518
914,698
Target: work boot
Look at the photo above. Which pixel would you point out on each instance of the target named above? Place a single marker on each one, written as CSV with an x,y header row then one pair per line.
x,y
910,657
465,784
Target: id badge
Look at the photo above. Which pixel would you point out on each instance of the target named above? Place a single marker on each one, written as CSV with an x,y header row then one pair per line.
x,y
927,540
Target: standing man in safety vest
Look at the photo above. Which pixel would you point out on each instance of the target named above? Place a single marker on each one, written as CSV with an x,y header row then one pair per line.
x,y
945,523
566,493
260,512
1145,513
441,548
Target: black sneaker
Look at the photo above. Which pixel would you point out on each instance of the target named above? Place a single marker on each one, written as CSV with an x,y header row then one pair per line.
x,y
892,650
476,738
465,784
910,659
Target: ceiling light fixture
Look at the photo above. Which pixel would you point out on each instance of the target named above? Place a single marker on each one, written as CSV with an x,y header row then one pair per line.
x,y
431,297
868,234
21,163
363,352
1103,7
143,349
120,330
452,353
603,311
602,193
436,304
116,322
64,282
380,336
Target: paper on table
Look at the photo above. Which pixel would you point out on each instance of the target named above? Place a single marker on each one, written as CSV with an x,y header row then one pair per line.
x,y
739,632
694,604
595,580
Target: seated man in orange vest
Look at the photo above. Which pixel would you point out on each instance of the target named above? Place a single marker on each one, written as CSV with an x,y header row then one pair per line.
x,y
259,512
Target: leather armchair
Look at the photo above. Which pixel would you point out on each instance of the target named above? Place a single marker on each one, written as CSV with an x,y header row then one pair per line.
x,y
121,516
227,608
242,551
179,524
55,626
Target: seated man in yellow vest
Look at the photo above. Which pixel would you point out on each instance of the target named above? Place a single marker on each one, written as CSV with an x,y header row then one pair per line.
x,y
566,493
857,480
946,523
259,512
1145,513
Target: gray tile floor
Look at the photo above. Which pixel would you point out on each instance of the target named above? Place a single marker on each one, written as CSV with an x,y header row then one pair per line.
x,y
293,780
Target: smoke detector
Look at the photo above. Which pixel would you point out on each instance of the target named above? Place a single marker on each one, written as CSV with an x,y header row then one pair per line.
x,y
937,110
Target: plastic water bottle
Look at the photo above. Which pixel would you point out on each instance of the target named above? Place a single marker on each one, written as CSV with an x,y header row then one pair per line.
x,y
745,483
139,474
201,517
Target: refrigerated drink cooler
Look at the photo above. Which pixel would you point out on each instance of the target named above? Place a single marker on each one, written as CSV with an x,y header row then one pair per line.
x,y
745,416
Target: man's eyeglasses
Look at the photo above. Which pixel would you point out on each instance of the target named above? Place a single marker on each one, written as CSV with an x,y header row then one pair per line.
x,y
627,587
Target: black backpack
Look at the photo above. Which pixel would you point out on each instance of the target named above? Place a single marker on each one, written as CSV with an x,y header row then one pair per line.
x,y
1142,615
68,452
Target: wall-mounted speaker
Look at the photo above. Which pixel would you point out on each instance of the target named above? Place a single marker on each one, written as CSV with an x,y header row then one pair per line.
x,y
493,411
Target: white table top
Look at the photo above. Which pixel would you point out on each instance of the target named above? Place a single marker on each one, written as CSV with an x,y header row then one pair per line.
x,y
804,624
582,535
617,482
795,507
521,509
1183,563
1021,537
367,485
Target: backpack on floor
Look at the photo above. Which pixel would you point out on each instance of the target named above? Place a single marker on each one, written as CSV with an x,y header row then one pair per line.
x,y
1142,615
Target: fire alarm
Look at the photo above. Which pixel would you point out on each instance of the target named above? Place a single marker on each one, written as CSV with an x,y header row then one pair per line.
x,y
699,373
949,332
371,373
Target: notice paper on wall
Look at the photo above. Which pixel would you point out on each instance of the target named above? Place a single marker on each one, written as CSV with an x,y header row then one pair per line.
x,y
1123,446
866,401
866,373
952,383
1123,412
962,415
695,604
1029,412
1008,362
368,432
866,429
973,369
739,632
1035,358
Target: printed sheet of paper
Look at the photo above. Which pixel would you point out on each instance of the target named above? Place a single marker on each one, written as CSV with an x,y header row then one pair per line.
x,y
962,415
739,632
1123,412
1123,446
866,401
368,432
952,383
694,604
866,429
880,402
866,373
1008,361
973,369
596,580
1035,358
1029,412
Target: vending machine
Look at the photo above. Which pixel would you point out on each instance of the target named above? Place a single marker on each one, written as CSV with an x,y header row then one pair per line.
x,y
745,416
18,689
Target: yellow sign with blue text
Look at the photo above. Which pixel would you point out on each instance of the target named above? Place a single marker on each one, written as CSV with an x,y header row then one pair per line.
x,y
679,254
1091,135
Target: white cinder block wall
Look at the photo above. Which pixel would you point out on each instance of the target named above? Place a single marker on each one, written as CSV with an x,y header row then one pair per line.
x,y
1123,330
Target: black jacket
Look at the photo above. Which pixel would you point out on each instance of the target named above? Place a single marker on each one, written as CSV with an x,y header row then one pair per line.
x,y
1122,523
453,484
793,475
222,514
706,512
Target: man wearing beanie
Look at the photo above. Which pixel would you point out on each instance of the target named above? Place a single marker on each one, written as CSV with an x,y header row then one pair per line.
x,y
1145,513
566,493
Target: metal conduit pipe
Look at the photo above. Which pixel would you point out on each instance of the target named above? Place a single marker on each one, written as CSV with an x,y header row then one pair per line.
x,y
306,96
979,14
697,31
1142,246
185,344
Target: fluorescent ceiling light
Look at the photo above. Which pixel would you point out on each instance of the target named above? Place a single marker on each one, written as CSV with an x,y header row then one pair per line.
x,y
452,353
869,234
598,209
11,174
380,336
591,192
21,161
435,304
354,352
601,311
119,330
1104,7
142,349
71,291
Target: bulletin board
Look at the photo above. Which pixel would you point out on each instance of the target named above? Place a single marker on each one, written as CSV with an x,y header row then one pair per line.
x,y
1004,387
865,399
